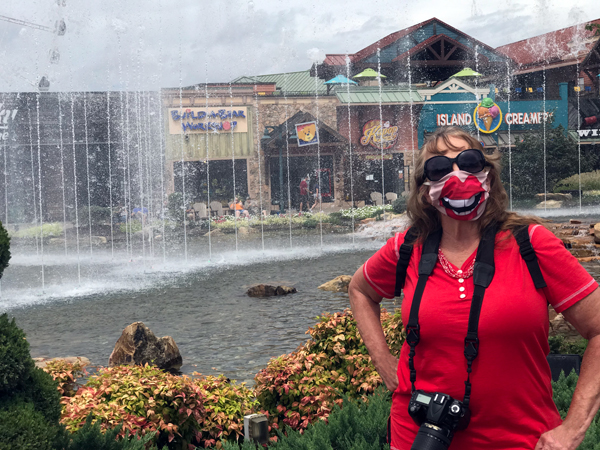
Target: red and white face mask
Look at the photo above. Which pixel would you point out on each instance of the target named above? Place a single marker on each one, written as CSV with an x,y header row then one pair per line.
x,y
460,195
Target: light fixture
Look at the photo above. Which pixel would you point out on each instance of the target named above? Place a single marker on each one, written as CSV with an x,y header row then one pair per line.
x,y
266,135
256,428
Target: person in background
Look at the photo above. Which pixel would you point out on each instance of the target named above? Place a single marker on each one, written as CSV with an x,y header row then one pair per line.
x,y
316,195
464,237
304,200
252,206
238,207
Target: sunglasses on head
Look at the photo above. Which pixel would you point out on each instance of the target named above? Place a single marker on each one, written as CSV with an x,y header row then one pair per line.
x,y
471,160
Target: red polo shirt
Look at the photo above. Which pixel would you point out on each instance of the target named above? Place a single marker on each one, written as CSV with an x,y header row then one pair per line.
x,y
511,401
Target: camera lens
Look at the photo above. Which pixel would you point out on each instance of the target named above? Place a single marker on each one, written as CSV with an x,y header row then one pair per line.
x,y
431,437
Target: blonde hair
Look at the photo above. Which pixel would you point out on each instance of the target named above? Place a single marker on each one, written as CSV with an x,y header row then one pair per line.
x,y
425,218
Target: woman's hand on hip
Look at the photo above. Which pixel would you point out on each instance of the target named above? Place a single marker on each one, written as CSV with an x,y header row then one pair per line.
x,y
560,438
388,370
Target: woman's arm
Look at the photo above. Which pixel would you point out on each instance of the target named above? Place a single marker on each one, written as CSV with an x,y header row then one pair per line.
x,y
365,308
585,317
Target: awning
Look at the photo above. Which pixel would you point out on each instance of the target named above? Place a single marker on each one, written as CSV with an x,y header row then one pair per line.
x,y
369,73
466,72
340,79
373,95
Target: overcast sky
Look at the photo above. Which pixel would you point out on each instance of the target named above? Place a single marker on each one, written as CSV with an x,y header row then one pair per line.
x,y
134,44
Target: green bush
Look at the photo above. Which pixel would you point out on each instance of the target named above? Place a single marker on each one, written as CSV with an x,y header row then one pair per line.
x,y
590,181
91,437
47,230
15,361
399,205
4,249
365,212
24,428
303,386
560,346
310,223
29,399
357,425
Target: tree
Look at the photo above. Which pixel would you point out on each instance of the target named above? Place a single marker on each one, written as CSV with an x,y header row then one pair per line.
x,y
592,27
562,161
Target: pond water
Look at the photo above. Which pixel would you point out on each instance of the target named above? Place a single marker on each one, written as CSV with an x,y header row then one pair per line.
x,y
201,304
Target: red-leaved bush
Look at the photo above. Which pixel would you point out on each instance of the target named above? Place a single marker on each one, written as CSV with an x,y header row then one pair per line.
x,y
303,386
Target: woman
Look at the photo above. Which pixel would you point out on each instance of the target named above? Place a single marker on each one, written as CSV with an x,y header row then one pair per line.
x,y
511,399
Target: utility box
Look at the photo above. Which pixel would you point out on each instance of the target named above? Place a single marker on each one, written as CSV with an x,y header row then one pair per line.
x,y
256,428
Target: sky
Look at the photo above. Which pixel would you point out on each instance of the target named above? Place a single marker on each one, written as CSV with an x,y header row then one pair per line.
x,y
134,44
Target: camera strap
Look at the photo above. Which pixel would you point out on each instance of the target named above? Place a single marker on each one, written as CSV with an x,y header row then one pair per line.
x,y
483,273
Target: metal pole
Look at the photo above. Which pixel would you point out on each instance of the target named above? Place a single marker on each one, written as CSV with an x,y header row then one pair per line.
x,y
280,140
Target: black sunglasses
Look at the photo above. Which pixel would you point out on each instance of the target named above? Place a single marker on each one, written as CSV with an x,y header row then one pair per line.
x,y
471,160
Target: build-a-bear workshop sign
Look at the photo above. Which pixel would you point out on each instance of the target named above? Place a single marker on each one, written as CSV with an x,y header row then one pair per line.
x,y
208,120
378,136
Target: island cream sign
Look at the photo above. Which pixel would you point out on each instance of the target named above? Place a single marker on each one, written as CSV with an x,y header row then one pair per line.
x,y
208,120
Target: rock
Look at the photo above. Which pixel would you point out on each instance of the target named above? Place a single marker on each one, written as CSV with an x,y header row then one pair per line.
x,y
215,232
550,204
56,241
338,284
269,290
366,221
158,237
247,230
553,196
597,233
559,326
42,362
138,346
574,221
589,258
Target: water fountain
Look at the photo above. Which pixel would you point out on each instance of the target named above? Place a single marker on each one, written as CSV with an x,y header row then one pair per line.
x,y
111,152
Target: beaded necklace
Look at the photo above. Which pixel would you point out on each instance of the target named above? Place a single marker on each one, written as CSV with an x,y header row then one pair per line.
x,y
451,271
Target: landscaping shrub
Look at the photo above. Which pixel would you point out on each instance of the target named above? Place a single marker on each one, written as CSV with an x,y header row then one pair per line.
x,y
4,249
399,205
29,399
15,361
91,437
182,410
65,374
47,230
298,388
590,181
22,427
365,212
357,425
560,346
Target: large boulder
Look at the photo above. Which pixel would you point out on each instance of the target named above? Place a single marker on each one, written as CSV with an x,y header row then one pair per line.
x,y
138,346
81,360
269,290
549,204
338,284
597,233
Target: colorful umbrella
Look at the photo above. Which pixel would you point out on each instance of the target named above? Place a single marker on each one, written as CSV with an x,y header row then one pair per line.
x,y
466,72
369,73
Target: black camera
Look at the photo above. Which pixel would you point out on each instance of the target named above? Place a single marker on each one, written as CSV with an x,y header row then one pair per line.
x,y
439,416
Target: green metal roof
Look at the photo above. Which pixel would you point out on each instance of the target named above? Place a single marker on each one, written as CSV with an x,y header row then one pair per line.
x,y
296,82
371,94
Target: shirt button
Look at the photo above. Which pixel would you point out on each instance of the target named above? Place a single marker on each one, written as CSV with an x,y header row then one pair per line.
x,y
462,295
462,288
460,280
459,271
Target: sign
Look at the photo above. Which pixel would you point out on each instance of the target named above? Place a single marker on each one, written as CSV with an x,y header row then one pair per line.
x,y
6,115
307,133
593,132
454,119
527,118
487,116
208,120
378,136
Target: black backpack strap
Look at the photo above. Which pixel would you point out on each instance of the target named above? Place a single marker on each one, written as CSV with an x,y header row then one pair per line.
x,y
426,265
528,254
483,273
402,266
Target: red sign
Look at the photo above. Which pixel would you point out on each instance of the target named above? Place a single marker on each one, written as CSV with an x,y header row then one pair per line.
x,y
378,136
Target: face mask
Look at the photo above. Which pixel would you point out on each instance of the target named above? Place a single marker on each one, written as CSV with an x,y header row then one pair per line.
x,y
460,195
